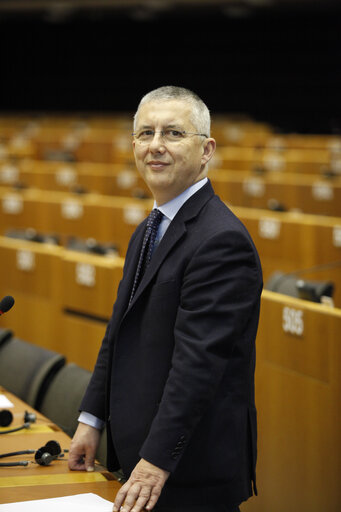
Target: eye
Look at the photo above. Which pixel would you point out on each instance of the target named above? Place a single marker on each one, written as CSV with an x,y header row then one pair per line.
x,y
174,134
144,134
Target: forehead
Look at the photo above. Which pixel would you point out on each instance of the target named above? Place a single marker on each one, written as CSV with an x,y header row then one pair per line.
x,y
164,113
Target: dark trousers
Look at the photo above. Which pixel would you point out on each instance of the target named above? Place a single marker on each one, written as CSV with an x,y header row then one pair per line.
x,y
198,508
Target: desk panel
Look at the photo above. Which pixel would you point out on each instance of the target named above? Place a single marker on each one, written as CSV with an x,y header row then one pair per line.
x,y
298,387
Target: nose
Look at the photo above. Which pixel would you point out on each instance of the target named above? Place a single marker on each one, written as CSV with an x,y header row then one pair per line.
x,y
157,144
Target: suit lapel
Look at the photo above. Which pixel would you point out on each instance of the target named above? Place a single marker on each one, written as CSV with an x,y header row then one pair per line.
x,y
176,230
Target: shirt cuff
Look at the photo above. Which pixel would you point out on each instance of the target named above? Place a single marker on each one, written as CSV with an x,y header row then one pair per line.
x,y
91,420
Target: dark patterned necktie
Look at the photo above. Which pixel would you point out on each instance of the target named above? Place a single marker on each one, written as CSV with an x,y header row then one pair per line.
x,y
153,223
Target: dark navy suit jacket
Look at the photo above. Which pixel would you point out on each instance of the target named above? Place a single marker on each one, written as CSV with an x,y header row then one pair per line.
x,y
175,373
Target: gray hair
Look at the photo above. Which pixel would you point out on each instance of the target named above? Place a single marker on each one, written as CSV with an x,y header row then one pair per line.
x,y
200,116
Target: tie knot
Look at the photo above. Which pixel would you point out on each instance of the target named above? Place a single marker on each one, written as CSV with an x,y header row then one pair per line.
x,y
154,218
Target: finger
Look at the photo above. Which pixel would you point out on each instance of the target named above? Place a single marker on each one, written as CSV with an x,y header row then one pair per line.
x,y
89,462
131,497
77,466
141,500
120,496
153,498
76,462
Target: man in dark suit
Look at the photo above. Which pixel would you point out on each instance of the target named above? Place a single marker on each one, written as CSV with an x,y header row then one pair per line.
x,y
174,379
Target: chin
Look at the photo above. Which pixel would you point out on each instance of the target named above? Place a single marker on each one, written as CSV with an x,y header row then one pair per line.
x,y
158,181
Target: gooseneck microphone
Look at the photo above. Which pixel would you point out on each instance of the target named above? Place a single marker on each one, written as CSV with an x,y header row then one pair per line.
x,y
5,304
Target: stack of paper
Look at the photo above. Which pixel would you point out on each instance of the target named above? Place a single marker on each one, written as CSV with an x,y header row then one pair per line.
x,y
78,503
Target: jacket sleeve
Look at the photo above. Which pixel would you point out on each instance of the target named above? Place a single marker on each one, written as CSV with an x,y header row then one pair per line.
x,y
94,398
221,286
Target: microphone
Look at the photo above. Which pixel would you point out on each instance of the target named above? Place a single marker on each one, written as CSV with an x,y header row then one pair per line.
x,y
291,283
6,304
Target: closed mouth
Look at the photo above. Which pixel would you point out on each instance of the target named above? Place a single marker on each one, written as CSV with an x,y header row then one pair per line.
x,y
155,164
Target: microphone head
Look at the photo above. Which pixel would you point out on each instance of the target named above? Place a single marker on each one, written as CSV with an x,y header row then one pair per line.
x,y
29,417
6,303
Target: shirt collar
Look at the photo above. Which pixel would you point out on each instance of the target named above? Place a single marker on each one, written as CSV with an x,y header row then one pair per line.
x,y
171,208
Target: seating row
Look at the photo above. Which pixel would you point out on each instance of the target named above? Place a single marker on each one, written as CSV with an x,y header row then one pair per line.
x,y
308,193
69,289
107,179
256,158
305,193
279,159
108,139
104,218
57,295
286,241
44,380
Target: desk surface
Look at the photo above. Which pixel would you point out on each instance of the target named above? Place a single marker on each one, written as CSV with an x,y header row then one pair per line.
x,y
38,482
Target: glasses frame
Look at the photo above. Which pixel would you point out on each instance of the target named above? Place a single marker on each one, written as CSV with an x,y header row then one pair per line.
x,y
162,132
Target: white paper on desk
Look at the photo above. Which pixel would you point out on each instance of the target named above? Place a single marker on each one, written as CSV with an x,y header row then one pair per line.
x,y
5,403
88,502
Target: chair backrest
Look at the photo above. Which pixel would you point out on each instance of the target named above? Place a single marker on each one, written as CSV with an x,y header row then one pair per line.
x,y
5,335
63,397
26,369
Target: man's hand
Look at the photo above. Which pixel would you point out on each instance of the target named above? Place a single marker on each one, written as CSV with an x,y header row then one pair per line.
x,y
143,488
84,447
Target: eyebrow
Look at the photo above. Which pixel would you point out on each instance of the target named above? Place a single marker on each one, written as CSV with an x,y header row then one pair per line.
x,y
165,127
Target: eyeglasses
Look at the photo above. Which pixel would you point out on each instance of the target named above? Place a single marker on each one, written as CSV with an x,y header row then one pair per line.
x,y
170,135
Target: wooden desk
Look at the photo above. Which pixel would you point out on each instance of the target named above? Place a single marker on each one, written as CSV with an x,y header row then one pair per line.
x,y
298,383
39,482
307,192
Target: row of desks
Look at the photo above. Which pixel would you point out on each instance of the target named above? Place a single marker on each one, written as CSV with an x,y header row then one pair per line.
x,y
108,141
38,482
308,193
286,241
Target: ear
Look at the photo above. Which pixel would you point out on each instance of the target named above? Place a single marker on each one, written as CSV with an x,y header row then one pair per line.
x,y
209,146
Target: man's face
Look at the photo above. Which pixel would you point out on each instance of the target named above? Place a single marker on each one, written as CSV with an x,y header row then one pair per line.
x,y
170,167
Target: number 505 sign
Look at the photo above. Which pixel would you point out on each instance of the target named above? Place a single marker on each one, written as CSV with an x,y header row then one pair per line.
x,y
292,321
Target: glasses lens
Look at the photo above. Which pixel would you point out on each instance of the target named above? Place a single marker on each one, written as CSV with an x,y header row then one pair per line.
x,y
144,135
173,135
170,135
